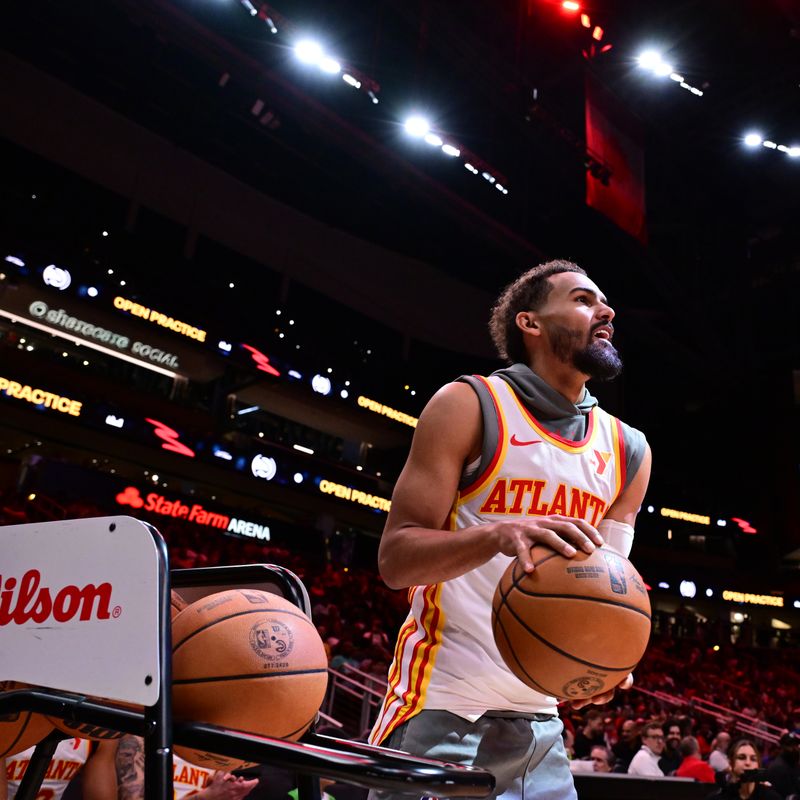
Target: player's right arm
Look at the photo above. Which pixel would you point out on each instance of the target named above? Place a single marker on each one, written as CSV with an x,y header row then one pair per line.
x,y
414,549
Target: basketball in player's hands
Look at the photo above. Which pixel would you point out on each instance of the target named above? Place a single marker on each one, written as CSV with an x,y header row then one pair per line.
x,y
574,627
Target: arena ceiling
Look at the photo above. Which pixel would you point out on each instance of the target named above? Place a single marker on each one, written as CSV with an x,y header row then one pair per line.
x,y
709,310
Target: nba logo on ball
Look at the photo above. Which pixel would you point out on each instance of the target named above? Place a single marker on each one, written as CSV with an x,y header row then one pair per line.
x,y
574,627
271,639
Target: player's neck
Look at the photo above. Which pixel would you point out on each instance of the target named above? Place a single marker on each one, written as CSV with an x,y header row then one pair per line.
x,y
564,378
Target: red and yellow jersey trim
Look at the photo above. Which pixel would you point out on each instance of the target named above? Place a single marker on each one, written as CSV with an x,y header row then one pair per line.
x,y
619,458
554,438
488,474
409,678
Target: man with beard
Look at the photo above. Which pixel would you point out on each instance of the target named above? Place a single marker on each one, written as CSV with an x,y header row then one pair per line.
x,y
671,758
497,465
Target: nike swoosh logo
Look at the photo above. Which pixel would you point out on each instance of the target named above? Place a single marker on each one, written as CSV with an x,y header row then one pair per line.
x,y
517,443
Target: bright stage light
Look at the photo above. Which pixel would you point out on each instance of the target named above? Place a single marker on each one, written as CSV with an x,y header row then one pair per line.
x,y
449,150
753,139
308,51
354,82
570,5
662,69
417,126
434,140
330,65
649,59
793,152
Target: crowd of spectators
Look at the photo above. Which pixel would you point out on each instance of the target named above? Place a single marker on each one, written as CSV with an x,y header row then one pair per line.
x,y
658,728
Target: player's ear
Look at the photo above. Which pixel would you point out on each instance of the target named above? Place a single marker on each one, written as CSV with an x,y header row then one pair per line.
x,y
527,323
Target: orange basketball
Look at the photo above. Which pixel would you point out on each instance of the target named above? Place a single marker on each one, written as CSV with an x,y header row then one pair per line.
x,y
574,627
85,730
23,729
248,660
176,603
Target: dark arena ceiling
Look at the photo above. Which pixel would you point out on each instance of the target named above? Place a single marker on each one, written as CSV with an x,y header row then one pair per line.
x,y
707,309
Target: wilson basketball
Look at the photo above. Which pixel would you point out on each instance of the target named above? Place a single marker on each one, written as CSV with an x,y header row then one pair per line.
x,y
176,603
574,627
85,730
248,660
23,729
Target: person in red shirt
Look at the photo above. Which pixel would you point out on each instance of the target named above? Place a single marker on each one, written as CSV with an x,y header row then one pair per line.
x,y
692,765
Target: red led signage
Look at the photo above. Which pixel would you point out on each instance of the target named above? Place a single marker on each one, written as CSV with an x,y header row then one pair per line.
x,y
170,438
262,361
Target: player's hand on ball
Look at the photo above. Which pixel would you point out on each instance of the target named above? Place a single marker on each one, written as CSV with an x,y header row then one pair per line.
x,y
224,786
606,697
562,534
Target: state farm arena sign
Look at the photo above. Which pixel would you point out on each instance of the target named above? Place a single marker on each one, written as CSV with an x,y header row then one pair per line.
x,y
196,513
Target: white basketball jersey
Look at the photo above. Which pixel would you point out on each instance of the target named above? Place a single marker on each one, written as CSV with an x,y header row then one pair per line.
x,y
188,779
445,657
69,757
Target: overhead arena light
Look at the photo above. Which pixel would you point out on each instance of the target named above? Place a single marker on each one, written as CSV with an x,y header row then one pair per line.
x,y
417,126
309,51
649,59
330,65
753,139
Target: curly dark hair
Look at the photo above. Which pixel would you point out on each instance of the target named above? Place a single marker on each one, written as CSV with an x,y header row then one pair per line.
x,y
527,293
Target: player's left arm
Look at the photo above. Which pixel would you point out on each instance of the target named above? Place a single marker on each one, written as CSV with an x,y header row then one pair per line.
x,y
628,504
624,510
99,773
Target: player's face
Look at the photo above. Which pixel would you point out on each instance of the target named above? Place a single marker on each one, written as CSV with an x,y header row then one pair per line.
x,y
577,323
745,758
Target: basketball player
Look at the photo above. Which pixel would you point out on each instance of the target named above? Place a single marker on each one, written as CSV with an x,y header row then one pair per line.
x,y
95,761
188,779
498,465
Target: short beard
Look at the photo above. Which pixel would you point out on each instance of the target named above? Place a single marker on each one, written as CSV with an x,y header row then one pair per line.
x,y
598,360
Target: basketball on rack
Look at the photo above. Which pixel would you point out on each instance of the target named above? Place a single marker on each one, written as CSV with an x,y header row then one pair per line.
x,y
23,729
247,660
574,627
85,730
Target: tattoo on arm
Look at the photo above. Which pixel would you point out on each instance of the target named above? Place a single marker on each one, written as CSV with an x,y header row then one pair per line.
x,y
130,768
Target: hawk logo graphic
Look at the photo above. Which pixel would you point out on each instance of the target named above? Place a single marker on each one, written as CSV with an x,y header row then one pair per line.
x,y
603,457
170,437
130,496
262,361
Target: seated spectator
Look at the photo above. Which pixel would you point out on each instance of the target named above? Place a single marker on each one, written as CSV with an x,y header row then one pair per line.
x,y
602,759
718,759
745,758
692,766
784,770
645,761
671,758
627,746
592,733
